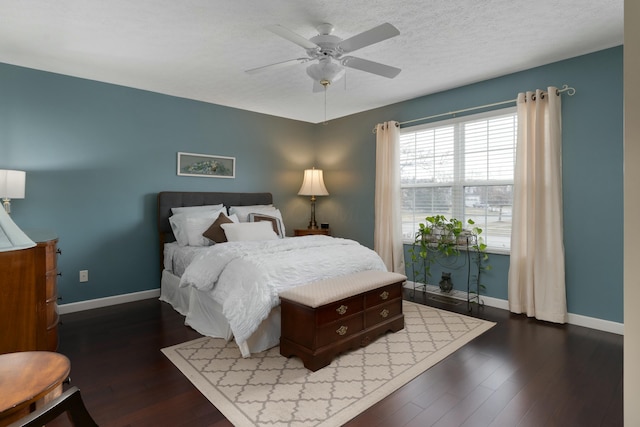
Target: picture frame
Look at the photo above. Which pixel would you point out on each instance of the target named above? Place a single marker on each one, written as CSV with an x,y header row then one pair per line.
x,y
206,165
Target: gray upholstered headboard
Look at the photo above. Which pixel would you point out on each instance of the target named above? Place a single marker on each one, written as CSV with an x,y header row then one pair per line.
x,y
172,199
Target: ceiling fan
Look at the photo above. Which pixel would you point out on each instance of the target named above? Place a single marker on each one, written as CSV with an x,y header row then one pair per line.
x,y
327,51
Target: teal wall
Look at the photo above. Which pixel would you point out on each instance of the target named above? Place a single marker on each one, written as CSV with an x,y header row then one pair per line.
x,y
592,172
96,155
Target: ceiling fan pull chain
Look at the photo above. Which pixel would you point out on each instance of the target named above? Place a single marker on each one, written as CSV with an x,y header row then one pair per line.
x,y
325,84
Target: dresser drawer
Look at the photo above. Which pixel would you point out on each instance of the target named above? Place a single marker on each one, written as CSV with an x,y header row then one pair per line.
x,y
52,338
383,312
382,295
51,287
338,310
338,330
46,280
52,314
50,256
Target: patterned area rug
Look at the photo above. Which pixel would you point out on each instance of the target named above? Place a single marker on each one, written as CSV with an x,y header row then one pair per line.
x,y
270,390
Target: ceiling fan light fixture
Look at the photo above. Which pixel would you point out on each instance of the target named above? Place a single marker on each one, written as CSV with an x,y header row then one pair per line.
x,y
325,70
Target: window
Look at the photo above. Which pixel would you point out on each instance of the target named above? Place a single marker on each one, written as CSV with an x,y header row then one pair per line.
x,y
461,168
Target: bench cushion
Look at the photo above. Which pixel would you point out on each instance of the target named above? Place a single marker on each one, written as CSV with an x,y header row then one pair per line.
x,y
327,291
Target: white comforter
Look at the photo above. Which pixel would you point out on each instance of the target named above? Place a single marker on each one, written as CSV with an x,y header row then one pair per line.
x,y
246,277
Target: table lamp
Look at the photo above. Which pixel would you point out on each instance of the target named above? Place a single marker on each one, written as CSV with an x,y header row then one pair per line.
x,y
11,187
11,237
313,185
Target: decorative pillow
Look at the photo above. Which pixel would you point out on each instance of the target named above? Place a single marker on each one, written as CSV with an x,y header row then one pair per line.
x,y
244,231
181,228
244,211
278,215
195,226
215,233
189,209
276,222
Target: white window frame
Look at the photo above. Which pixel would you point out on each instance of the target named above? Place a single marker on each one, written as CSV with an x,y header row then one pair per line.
x,y
458,183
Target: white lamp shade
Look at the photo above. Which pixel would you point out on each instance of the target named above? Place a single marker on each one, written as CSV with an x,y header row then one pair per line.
x,y
313,184
11,237
12,184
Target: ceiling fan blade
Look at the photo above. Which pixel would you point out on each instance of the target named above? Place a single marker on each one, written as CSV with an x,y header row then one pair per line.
x,y
277,65
291,36
369,37
370,66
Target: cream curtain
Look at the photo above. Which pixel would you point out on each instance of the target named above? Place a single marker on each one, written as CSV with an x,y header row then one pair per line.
x,y
536,270
387,233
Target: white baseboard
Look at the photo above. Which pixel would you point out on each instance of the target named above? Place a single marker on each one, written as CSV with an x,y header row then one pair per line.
x,y
573,319
594,323
107,301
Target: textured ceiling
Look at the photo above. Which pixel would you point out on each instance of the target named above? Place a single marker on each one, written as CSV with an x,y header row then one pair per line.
x,y
199,49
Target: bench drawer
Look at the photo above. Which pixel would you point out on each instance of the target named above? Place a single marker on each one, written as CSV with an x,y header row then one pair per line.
x,y
383,312
339,310
383,295
338,330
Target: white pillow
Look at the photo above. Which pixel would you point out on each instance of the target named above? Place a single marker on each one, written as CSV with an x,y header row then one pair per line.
x,y
180,226
244,211
195,226
278,215
188,209
276,222
244,231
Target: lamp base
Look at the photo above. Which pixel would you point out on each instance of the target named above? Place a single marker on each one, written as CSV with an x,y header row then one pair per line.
x,y
313,225
7,205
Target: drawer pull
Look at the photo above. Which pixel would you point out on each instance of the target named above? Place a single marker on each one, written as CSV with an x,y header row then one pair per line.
x,y
341,330
384,313
342,309
384,295
59,251
60,274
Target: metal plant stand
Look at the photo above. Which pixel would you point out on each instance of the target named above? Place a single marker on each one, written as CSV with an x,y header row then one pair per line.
x,y
467,247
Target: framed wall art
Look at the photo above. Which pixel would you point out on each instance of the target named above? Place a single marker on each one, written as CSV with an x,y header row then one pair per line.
x,y
205,165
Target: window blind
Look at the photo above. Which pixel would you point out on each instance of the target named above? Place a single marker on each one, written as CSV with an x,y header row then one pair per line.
x,y
461,168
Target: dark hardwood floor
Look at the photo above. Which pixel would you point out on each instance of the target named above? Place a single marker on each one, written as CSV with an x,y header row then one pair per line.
x,y
520,373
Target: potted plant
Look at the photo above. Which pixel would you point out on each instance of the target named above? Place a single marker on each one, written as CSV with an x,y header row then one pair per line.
x,y
440,240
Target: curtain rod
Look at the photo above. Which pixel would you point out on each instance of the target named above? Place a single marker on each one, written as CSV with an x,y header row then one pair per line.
x,y
565,88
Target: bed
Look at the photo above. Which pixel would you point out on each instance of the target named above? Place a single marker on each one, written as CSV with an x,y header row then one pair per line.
x,y
230,290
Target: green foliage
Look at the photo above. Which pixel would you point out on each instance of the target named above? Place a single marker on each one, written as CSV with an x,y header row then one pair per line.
x,y
439,239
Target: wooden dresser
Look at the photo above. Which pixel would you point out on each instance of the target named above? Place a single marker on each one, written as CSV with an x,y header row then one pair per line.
x,y
28,296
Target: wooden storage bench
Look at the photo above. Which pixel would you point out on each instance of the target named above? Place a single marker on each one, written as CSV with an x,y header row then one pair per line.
x,y
325,318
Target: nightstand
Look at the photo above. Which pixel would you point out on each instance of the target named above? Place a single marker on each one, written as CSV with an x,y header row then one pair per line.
x,y
310,231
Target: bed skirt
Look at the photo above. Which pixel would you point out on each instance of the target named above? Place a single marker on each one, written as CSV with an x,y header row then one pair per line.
x,y
204,315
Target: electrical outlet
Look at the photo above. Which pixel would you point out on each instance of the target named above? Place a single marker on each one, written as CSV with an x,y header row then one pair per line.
x,y
84,275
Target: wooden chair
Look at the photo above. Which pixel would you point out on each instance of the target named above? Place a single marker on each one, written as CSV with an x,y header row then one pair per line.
x,y
70,402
